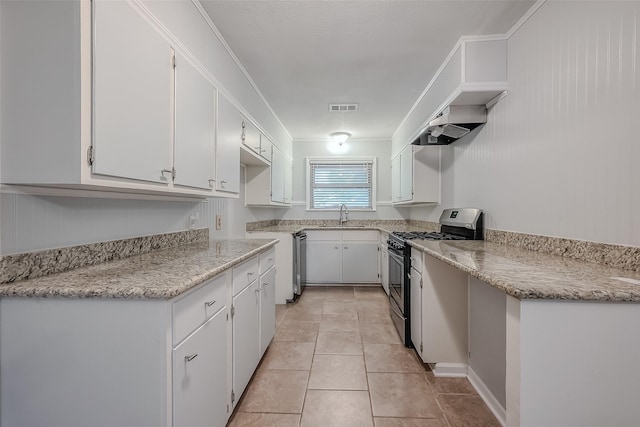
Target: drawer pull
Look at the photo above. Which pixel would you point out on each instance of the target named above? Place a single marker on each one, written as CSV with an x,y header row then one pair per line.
x,y
209,303
257,291
265,283
249,274
191,357
270,259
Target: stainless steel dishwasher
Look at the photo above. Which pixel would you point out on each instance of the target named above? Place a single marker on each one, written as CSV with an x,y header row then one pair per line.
x,y
299,263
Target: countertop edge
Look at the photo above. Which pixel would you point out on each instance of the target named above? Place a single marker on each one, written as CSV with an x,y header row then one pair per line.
x,y
132,292
560,294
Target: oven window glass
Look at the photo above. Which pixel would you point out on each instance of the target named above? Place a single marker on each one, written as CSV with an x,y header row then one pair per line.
x,y
396,278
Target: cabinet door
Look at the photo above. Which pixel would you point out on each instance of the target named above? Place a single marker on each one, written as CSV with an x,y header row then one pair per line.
x,y
265,147
406,174
267,309
277,176
360,262
132,91
250,136
384,267
323,262
195,127
395,179
415,310
228,139
246,339
288,180
200,376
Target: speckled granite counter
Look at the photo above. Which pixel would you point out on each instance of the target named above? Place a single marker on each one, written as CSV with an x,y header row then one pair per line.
x,y
154,275
384,226
526,274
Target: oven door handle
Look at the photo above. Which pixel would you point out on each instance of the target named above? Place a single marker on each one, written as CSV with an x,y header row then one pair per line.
x,y
396,256
395,310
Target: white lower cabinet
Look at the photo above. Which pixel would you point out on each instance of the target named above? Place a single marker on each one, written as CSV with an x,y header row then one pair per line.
x,y
360,262
415,309
384,266
267,308
253,317
200,376
114,362
348,256
104,362
323,262
246,336
444,325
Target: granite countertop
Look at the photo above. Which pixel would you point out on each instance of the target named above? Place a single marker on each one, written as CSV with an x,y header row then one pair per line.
x,y
154,275
526,274
293,228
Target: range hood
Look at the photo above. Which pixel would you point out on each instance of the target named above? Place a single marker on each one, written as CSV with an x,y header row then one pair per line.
x,y
452,123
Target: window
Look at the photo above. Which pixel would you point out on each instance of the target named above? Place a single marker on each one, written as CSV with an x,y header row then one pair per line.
x,y
333,182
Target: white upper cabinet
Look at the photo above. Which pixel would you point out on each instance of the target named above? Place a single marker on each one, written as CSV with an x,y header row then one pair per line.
x,y
395,179
415,175
250,136
475,73
132,95
104,108
270,185
406,174
265,147
229,134
195,127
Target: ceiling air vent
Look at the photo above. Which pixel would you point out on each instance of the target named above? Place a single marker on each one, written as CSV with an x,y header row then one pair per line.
x,y
343,108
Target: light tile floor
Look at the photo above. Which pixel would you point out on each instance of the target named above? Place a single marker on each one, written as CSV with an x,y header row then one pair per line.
x,y
336,360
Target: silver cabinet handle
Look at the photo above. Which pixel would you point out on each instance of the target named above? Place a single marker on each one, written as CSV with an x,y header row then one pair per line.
x,y
243,126
257,291
209,303
270,259
265,283
190,357
211,181
250,274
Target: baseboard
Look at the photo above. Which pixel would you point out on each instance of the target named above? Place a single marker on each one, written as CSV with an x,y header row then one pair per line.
x,y
450,370
494,405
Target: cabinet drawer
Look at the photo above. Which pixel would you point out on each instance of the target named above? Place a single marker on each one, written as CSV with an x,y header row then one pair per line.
x,y
197,307
364,235
244,274
267,260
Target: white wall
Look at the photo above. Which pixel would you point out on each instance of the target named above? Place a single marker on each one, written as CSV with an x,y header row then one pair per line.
x,y
559,155
30,223
381,149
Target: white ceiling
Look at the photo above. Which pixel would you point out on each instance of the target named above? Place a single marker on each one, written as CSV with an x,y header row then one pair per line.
x,y
381,54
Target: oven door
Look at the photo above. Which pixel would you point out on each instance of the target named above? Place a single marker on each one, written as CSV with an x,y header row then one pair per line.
x,y
396,278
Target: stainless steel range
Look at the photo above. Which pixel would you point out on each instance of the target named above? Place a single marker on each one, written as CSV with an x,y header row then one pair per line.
x,y
455,224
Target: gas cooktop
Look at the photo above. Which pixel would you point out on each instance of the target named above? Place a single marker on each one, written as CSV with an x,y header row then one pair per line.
x,y
425,235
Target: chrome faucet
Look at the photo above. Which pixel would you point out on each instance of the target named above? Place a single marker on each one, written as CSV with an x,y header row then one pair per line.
x,y
344,214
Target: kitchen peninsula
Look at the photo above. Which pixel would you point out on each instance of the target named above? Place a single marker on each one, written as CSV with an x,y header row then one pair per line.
x,y
147,340
548,335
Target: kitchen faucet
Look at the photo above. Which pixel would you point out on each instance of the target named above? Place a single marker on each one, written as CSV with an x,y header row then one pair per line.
x,y
344,214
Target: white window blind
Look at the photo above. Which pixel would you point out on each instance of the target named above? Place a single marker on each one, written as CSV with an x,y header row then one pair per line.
x,y
333,183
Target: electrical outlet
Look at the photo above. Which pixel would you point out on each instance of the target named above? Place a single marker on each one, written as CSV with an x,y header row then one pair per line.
x,y
218,222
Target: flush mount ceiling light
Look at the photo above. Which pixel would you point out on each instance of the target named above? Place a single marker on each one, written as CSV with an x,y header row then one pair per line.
x,y
340,137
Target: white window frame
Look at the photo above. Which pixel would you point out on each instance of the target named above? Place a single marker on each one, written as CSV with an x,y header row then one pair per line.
x,y
338,160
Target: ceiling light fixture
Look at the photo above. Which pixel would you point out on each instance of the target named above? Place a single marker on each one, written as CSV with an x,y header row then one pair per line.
x,y
340,137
